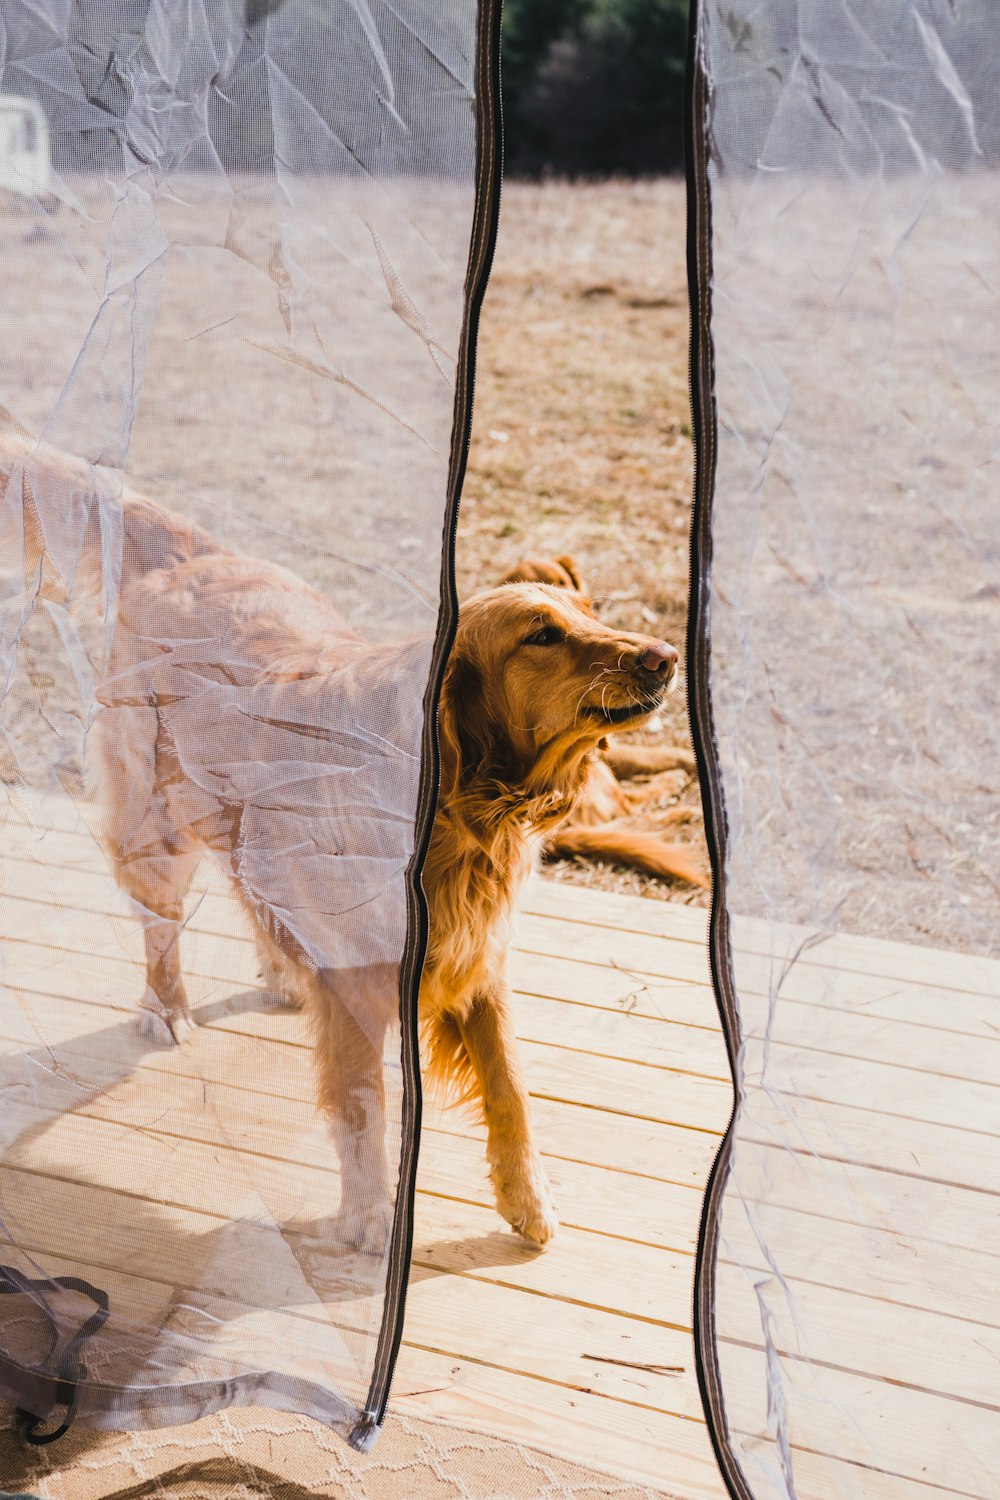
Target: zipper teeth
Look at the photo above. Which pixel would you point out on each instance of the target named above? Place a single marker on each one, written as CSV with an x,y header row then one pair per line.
x,y
482,243
703,427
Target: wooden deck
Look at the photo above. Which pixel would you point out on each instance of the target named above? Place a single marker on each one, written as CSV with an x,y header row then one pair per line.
x,y
586,1350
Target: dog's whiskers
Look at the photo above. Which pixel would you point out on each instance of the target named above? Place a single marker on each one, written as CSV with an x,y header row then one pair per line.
x,y
590,688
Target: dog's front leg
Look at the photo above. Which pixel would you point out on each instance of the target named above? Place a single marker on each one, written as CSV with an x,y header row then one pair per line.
x,y
522,1190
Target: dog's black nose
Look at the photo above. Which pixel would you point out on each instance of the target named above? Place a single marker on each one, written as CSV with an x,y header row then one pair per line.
x,y
659,659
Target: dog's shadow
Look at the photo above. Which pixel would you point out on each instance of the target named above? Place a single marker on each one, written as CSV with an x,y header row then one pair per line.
x,y
482,1252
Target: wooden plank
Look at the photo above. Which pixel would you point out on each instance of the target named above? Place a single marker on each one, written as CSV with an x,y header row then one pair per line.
x,y
841,1131
205,1249
671,1453
622,1037
798,1024
609,1201
914,1209
270,1097
581,1101
895,1344
234,1269
693,1004
795,1028
848,1134
842,1325
448,1386
458,1227
844,1132
642,917
823,1476
644,957
682,1047
649,1448
576,1346
528,1409
534,1346
868,1424
875,1263
892,1094
590,1197
859,1195
464,1239
658,1153
646,1446
675,1098
941,1353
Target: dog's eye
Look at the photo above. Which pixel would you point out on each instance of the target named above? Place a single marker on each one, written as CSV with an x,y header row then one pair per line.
x,y
549,635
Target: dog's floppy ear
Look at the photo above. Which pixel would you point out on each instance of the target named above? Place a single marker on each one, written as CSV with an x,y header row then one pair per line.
x,y
468,737
571,568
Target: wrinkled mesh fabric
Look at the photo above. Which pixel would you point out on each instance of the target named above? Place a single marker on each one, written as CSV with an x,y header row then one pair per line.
x,y
854,171
233,246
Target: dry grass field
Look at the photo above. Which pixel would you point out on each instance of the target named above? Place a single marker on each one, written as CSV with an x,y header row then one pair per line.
x,y
581,440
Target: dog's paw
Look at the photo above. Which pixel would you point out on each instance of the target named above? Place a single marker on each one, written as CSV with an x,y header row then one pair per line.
x,y
524,1199
366,1228
181,1025
166,1028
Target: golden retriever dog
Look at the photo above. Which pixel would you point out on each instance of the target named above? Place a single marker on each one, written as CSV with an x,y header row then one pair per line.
x,y
239,717
612,821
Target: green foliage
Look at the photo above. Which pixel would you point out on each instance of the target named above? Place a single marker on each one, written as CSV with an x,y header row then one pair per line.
x,y
593,87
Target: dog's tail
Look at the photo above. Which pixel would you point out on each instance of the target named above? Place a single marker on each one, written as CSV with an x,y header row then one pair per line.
x,y
629,846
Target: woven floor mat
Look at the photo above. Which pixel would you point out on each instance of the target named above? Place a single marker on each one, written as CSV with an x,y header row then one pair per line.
x,y
254,1454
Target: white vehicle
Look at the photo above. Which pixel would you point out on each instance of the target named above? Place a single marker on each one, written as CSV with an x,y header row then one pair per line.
x,y
25,161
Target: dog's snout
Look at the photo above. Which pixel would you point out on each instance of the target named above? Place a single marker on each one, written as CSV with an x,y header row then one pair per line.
x,y
660,659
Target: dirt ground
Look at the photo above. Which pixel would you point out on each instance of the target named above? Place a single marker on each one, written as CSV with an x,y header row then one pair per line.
x,y
581,437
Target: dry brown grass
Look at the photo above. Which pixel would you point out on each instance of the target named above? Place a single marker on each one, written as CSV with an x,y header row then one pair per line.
x,y
581,439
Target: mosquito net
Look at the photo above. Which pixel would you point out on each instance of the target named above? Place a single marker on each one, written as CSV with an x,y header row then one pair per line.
x,y
234,245
844,246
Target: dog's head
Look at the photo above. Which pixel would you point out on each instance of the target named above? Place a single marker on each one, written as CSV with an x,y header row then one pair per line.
x,y
536,681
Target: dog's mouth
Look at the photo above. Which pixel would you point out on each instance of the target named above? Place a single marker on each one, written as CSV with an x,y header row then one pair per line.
x,y
639,709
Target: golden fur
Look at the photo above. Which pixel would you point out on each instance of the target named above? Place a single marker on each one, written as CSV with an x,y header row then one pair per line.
x,y
521,726
611,821
532,686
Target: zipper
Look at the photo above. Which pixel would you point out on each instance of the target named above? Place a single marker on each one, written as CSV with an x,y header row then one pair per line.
x,y
704,431
489,161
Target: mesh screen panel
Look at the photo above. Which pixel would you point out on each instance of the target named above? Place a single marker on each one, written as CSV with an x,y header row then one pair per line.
x,y
234,246
849,155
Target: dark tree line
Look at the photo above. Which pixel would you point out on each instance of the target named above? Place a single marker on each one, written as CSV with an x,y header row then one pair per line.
x,y
593,87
